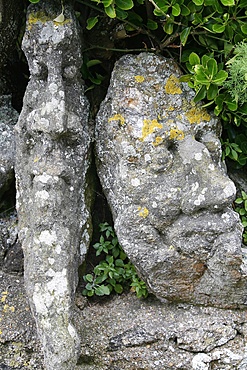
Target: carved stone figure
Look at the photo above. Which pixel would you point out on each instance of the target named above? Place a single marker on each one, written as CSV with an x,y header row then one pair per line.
x,y
53,155
159,161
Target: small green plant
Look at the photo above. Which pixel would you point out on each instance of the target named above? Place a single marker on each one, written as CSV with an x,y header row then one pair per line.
x,y
241,208
115,272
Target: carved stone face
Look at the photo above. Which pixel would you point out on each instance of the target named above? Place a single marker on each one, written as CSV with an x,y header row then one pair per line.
x,y
159,160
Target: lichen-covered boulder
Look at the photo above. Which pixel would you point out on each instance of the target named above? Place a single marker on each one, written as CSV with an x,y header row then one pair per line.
x,y
52,160
8,118
159,161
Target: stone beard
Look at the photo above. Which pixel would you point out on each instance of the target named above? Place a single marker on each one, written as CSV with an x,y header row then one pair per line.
x,y
53,151
159,161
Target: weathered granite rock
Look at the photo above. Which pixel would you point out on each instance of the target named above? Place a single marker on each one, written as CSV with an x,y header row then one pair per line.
x,y
8,118
53,156
125,333
159,161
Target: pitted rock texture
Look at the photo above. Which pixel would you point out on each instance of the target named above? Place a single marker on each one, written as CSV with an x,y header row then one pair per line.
x,y
8,118
125,333
159,160
53,156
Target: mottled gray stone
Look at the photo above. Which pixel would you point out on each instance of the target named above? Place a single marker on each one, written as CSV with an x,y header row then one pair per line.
x,y
126,333
53,156
8,118
11,255
159,161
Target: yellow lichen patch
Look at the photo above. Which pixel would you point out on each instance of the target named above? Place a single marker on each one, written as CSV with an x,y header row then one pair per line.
x,y
149,127
171,108
173,85
43,18
139,78
4,296
117,117
158,140
177,134
143,212
197,115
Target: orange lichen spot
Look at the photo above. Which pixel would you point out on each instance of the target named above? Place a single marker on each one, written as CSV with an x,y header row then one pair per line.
x,y
117,117
143,212
197,115
177,134
149,127
158,140
173,85
139,79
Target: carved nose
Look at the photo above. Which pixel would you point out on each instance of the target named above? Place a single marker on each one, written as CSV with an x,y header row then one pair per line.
x,y
207,186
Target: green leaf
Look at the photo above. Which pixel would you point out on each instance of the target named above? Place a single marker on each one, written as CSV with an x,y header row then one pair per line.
x,y
234,154
200,95
34,1
194,59
152,25
91,22
102,290
89,278
232,105
212,66
198,2
220,77
124,4
176,9
184,35
89,286
218,28
228,2
110,11
118,288
212,92
93,62
107,3
239,201
168,28
244,28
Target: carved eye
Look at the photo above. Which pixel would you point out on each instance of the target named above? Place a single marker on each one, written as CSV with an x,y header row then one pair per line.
x,y
69,71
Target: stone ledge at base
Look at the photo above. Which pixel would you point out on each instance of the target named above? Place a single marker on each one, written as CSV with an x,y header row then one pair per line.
x,y
125,333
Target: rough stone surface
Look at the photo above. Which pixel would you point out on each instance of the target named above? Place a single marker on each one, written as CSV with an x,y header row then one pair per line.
x,y
8,118
11,255
159,161
124,333
53,156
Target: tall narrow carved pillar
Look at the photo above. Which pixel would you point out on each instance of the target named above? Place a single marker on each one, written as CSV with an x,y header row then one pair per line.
x,y
53,155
